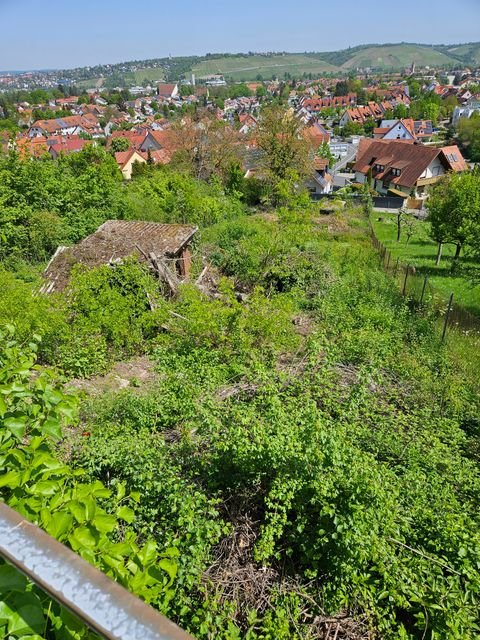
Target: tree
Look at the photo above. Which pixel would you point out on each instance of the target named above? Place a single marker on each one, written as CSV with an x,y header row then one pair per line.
x,y
120,144
205,146
469,136
286,154
454,212
400,111
324,152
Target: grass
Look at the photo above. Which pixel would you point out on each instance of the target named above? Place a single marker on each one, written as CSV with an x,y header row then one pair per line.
x,y
135,77
420,252
153,75
248,67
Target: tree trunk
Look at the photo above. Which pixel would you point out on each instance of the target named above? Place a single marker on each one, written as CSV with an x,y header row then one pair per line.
x,y
399,226
455,257
439,253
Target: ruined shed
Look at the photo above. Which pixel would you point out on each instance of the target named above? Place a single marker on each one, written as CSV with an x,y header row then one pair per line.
x,y
117,239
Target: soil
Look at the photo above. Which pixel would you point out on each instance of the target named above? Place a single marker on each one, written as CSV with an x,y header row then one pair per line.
x,y
135,373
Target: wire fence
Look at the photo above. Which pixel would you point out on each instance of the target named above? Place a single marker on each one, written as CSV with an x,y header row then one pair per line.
x,y
417,288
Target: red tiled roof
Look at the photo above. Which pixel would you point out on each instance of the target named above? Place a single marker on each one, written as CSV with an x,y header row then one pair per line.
x,y
122,157
165,90
454,158
69,145
415,159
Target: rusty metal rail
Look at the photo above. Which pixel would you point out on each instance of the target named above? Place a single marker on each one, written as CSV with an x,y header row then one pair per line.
x,y
102,604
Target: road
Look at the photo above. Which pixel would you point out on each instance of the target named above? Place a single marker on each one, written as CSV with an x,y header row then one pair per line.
x,y
351,153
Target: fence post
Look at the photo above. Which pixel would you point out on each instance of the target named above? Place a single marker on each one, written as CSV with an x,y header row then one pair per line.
x,y
396,267
425,280
388,261
405,281
449,308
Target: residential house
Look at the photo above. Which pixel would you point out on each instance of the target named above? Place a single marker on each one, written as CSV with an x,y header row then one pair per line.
x,y
404,129
167,91
404,168
465,111
315,104
321,182
67,145
361,114
247,123
316,133
116,240
134,139
70,125
126,159
66,102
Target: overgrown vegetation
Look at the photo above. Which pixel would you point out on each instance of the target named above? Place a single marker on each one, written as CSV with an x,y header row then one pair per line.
x,y
307,455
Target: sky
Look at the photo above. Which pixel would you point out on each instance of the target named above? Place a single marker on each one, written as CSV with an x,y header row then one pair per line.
x,y
39,34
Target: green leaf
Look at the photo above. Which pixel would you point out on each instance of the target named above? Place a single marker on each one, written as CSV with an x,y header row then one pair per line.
x,y
52,427
148,553
16,425
78,511
84,537
28,619
60,523
11,479
169,566
11,579
90,508
125,513
104,523
44,488
120,491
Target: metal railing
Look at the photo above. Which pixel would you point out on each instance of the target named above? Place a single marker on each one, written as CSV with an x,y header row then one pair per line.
x,y
102,604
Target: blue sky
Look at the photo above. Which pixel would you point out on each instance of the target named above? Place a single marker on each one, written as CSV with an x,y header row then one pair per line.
x,y
51,33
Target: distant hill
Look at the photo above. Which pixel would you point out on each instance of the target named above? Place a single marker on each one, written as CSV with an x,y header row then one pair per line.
x,y
253,66
378,57
249,67
397,57
469,53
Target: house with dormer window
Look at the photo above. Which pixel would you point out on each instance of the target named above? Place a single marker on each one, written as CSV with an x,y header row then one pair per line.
x,y
404,168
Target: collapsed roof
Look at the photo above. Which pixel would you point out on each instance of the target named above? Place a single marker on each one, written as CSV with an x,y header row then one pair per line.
x,y
113,241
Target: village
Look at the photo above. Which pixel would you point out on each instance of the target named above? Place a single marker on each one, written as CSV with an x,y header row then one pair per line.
x,y
356,135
